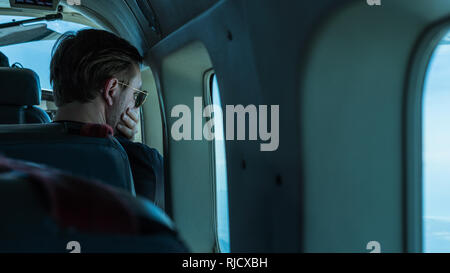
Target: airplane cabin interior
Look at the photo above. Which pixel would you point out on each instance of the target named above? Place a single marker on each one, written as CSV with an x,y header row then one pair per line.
x,y
341,146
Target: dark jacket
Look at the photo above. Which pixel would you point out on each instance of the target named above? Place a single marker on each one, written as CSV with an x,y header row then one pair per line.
x,y
147,167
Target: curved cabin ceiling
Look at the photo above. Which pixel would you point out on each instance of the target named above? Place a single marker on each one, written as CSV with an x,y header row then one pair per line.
x,y
142,22
172,14
134,19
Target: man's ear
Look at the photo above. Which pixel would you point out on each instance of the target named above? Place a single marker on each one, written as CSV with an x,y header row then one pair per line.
x,y
110,90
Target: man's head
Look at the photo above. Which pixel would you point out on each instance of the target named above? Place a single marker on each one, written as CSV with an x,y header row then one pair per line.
x,y
95,65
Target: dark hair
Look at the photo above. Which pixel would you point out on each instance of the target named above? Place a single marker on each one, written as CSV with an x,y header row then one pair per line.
x,y
4,61
82,62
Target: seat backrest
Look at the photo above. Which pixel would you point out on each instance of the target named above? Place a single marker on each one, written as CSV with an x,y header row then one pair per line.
x,y
20,92
46,210
54,144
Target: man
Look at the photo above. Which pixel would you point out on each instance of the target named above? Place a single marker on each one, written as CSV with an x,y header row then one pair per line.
x,y
96,80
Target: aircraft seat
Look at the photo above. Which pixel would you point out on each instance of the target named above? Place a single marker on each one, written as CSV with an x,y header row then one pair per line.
x,y
20,93
60,146
49,211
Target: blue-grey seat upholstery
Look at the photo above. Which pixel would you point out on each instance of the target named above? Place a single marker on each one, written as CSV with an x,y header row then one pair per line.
x,y
53,144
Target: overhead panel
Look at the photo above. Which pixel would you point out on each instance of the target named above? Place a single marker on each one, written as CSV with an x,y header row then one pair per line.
x,y
50,5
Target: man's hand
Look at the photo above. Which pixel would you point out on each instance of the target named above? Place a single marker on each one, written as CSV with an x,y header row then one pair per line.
x,y
128,125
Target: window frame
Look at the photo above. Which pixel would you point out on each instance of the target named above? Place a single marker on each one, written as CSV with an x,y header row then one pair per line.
x,y
208,100
412,130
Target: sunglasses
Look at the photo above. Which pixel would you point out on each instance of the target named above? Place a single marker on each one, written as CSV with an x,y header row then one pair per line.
x,y
140,96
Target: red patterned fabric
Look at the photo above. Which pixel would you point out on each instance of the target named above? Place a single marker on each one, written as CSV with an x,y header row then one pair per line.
x,y
96,130
76,202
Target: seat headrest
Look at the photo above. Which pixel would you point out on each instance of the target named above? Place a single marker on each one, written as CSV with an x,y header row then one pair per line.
x,y
19,87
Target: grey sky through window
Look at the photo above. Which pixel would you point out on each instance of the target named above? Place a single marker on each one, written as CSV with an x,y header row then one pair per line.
x,y
436,151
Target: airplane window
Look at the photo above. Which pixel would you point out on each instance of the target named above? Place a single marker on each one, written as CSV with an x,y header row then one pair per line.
x,y
436,153
221,173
